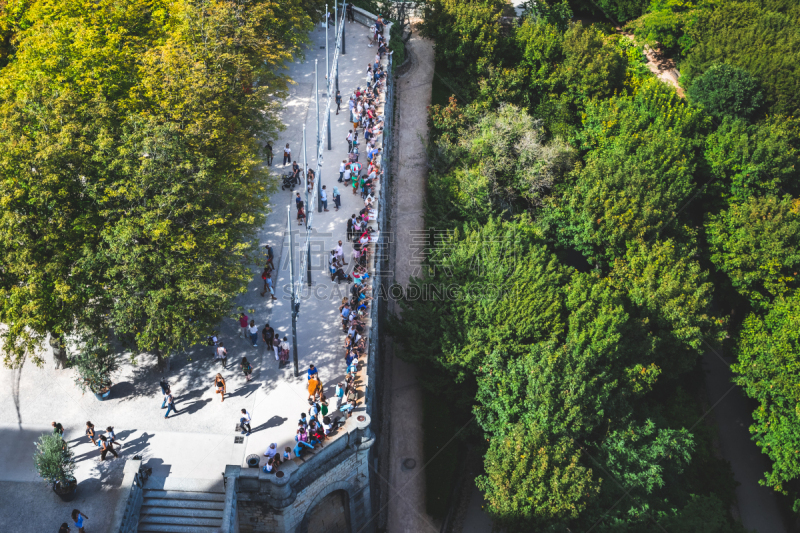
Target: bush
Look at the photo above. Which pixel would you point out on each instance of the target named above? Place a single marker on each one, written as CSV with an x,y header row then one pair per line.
x,y
94,365
55,462
727,90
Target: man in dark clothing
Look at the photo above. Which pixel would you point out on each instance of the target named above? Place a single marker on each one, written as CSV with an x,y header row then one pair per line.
x,y
58,429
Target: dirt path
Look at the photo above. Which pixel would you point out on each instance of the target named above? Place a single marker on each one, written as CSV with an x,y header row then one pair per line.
x,y
406,492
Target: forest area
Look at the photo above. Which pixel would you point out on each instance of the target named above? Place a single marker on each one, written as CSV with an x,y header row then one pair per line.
x,y
596,234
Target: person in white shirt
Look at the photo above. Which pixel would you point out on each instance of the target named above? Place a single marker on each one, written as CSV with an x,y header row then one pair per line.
x,y
245,422
347,173
339,253
342,168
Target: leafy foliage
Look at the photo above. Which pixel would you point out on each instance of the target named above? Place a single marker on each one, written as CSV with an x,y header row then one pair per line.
x,y
94,365
767,368
726,90
131,183
54,460
757,244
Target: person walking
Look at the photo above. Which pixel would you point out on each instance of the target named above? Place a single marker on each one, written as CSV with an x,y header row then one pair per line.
x,y
267,277
170,401
243,325
270,257
164,403
112,437
219,384
58,429
276,347
267,334
245,422
301,213
78,517
268,150
287,154
164,384
337,198
323,197
90,432
253,332
247,370
222,354
106,447
338,101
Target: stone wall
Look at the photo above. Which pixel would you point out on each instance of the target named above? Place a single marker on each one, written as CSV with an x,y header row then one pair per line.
x,y
270,504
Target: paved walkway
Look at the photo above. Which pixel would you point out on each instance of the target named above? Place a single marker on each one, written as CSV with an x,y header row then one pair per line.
x,y
197,442
406,502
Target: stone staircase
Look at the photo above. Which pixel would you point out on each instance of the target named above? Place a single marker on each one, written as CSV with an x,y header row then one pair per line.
x,y
179,511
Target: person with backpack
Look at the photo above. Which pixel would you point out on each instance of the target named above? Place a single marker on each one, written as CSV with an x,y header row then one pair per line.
x,y
266,276
287,154
247,370
268,150
106,447
222,354
270,257
170,400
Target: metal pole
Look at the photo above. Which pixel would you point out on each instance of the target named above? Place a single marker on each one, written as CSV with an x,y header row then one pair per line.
x,y
335,67
294,296
329,130
305,168
308,264
327,68
319,140
344,27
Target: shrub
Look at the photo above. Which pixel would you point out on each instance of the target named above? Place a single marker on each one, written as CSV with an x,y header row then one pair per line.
x,y
55,462
727,90
95,364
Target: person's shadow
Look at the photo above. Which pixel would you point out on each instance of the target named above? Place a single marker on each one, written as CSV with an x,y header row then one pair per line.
x,y
273,422
192,407
244,391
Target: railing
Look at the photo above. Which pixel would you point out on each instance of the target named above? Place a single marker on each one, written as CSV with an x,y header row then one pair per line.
x,y
229,513
126,514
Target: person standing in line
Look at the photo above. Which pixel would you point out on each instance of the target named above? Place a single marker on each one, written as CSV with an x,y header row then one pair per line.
x,y
243,325
287,154
314,388
245,422
323,196
90,432
247,370
267,334
341,170
284,349
219,384
338,101
337,199
350,139
312,372
276,347
106,447
170,401
297,200
268,150
58,429
301,214
253,332
78,517
339,394
340,253
222,354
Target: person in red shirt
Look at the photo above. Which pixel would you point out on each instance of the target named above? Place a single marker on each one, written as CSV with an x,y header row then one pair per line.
x,y
243,325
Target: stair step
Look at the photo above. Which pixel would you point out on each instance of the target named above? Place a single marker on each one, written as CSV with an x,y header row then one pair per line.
x,y
180,511
184,495
181,520
164,528
184,504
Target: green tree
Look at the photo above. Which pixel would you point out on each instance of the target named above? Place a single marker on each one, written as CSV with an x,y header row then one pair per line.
x,y
767,369
724,90
638,173
753,159
763,42
757,244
